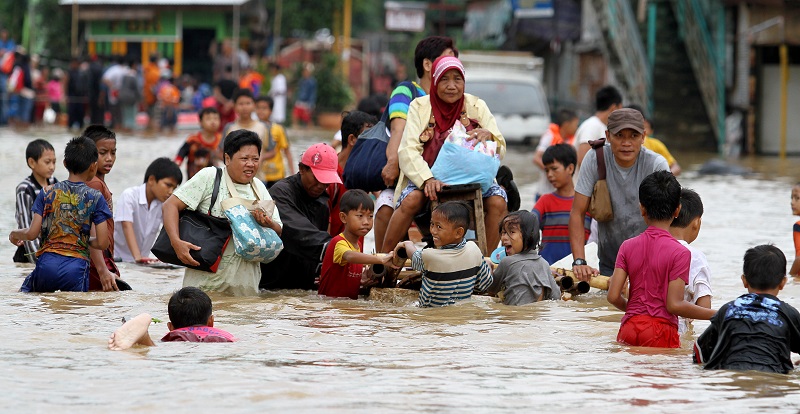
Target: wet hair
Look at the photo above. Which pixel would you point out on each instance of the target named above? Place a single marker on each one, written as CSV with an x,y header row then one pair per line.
x,y
356,200
36,148
205,111
235,140
660,195
189,306
456,212
431,48
691,208
373,105
98,133
565,115
563,153
267,99
527,224
240,93
764,267
80,154
163,168
353,123
606,97
227,87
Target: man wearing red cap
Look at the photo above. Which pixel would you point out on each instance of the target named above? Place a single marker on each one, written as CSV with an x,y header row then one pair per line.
x,y
303,204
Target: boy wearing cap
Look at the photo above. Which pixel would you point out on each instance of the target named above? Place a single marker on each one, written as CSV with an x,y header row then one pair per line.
x,y
303,203
627,164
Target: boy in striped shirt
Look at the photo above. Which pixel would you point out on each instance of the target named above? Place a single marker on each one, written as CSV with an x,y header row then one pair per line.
x,y
41,157
455,268
553,209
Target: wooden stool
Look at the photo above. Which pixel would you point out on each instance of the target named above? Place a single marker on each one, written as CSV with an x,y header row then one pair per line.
x,y
472,194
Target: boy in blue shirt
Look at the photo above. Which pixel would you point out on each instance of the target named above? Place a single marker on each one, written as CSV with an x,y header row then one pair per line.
x,y
64,215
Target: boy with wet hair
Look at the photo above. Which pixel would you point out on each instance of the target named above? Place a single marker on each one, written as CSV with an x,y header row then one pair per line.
x,y
756,331
138,216
190,320
65,216
455,268
41,158
552,209
344,260
272,168
657,281
244,105
103,273
685,229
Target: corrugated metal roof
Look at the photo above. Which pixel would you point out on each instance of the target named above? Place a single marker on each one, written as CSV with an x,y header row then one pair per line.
x,y
152,2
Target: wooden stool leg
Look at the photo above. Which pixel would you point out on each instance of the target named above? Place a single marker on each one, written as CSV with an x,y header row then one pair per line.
x,y
480,225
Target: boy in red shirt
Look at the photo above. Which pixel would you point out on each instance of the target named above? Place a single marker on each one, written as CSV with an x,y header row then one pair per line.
x,y
201,149
658,268
344,260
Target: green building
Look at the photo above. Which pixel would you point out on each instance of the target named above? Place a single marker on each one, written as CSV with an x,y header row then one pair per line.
x,y
181,30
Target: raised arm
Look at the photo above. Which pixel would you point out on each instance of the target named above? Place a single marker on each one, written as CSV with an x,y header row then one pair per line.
x,y
577,236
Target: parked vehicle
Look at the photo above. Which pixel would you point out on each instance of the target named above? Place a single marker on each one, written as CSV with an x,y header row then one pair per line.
x,y
510,83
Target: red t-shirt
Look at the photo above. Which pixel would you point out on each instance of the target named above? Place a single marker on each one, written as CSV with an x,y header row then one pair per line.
x,y
652,260
108,254
338,278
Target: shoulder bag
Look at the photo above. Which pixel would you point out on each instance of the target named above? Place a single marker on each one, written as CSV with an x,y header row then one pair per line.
x,y
600,203
368,157
210,233
252,241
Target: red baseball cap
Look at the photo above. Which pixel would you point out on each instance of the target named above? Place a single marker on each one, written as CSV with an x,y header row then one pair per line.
x,y
324,163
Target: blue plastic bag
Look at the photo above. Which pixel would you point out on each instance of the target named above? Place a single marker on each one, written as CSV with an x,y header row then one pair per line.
x,y
252,241
458,165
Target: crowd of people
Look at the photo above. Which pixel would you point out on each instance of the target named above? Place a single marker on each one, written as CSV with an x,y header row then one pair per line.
x,y
306,230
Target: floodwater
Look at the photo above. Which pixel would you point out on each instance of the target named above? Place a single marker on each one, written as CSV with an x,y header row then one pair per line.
x,y
300,353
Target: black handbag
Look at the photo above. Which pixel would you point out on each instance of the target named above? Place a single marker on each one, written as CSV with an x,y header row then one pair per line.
x,y
210,233
368,157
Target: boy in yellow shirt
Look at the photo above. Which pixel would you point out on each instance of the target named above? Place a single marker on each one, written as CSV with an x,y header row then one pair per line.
x,y
272,168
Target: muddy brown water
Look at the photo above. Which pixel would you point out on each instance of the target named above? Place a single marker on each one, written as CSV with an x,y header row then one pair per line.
x,y
300,353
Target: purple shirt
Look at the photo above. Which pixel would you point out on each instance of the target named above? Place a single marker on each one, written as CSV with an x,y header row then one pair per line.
x,y
652,260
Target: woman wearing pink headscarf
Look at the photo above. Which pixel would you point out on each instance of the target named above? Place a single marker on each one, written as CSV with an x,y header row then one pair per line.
x,y
430,119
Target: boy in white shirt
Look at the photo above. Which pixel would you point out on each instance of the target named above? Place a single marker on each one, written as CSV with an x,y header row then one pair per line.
x,y
685,229
138,215
607,100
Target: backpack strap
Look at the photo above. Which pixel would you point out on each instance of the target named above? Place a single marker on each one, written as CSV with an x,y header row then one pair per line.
x,y
598,145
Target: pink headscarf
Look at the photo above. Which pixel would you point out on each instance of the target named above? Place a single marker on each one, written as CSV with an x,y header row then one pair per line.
x,y
445,114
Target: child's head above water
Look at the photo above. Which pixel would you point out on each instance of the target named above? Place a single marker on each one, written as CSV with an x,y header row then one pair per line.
x,y
559,164
660,196
689,218
354,123
209,119
796,199
519,232
264,107
764,268
106,142
355,211
449,222
189,306
41,158
162,177
80,156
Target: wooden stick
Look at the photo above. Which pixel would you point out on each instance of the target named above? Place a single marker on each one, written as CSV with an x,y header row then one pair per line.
x,y
597,282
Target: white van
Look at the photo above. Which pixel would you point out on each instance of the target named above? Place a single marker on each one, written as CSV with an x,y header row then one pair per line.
x,y
518,103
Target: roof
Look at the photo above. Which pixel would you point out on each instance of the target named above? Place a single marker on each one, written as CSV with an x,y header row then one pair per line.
x,y
153,2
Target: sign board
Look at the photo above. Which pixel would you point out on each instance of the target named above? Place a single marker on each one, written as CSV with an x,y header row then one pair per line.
x,y
405,17
532,8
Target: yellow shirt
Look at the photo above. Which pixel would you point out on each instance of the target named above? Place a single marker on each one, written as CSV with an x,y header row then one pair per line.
x,y
342,247
659,148
273,169
412,166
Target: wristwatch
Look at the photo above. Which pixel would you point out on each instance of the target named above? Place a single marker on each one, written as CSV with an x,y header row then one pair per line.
x,y
579,262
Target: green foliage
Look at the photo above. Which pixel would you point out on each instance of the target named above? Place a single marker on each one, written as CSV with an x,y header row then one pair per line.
x,y
333,93
51,25
308,16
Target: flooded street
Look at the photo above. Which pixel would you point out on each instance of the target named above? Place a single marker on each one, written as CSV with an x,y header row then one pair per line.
x,y
299,353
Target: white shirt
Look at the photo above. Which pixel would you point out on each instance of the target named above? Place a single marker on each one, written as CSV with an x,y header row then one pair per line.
x,y
591,129
277,91
544,186
699,282
146,221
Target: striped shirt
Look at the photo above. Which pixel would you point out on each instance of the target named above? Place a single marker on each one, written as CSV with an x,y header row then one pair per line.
x,y
553,210
451,273
401,97
26,194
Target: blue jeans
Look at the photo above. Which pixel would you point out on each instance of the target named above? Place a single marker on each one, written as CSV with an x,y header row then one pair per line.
x,y
56,272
